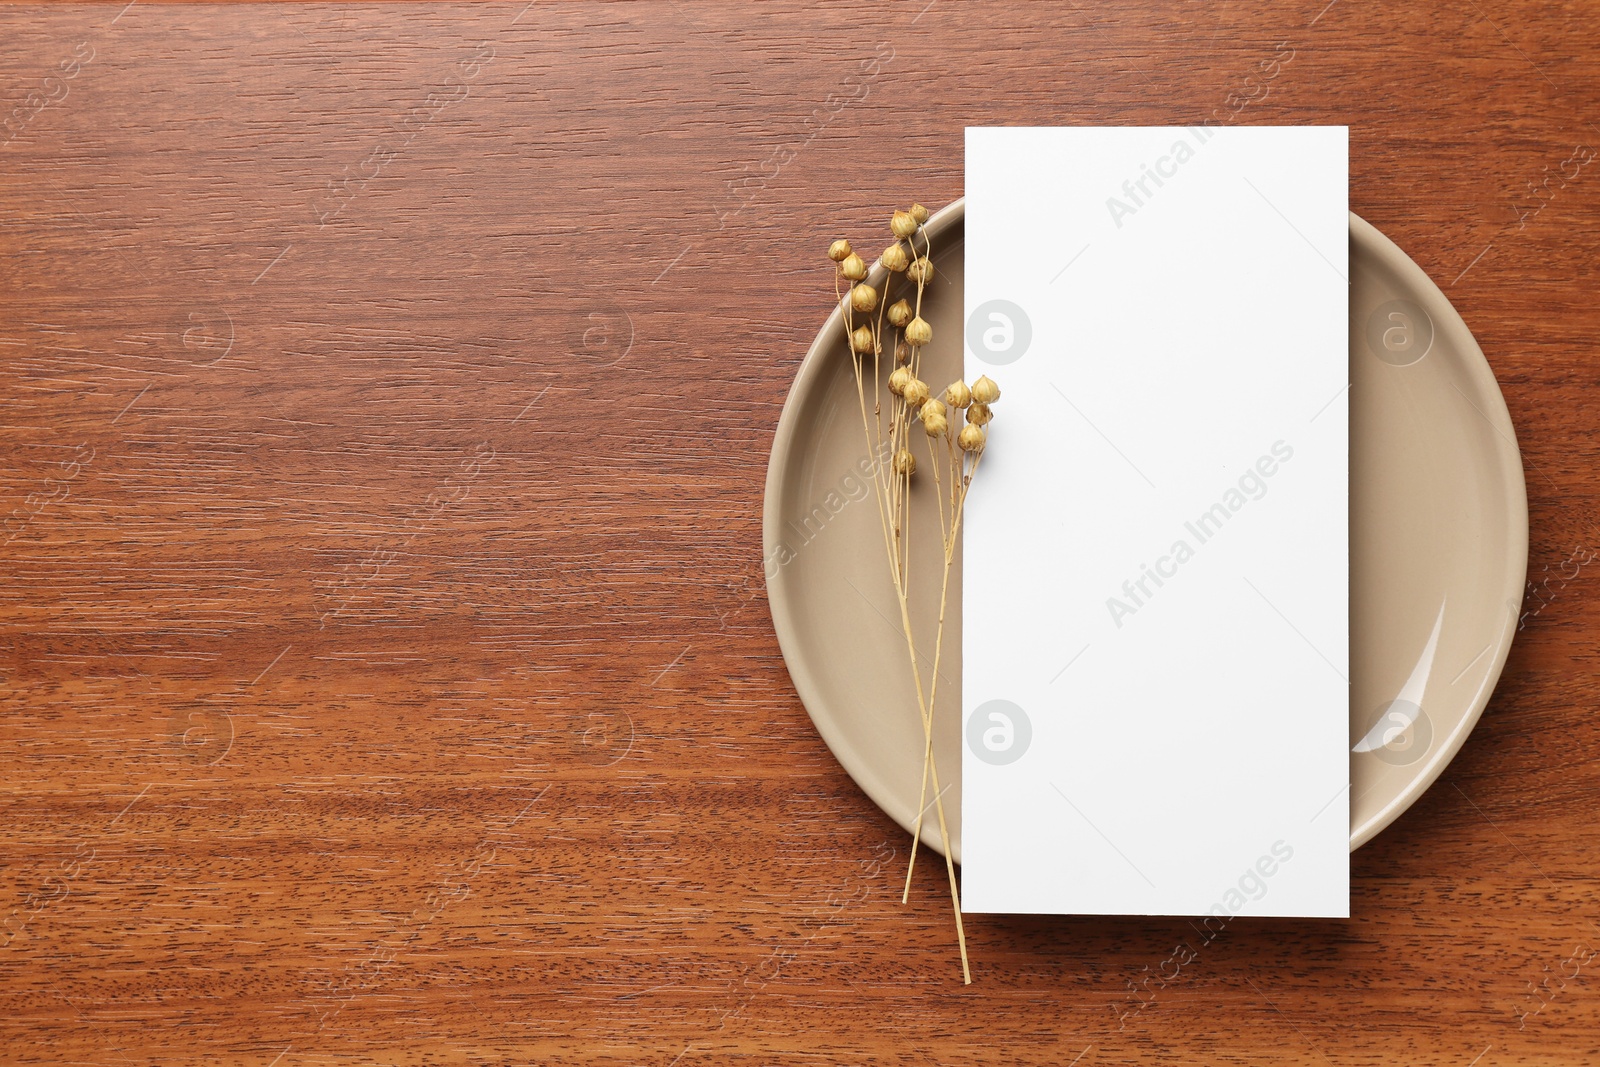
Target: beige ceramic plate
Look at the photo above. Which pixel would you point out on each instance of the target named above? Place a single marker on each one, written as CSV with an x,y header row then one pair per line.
x,y
1438,545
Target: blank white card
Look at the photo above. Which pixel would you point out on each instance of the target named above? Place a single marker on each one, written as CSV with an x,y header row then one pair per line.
x,y
1156,571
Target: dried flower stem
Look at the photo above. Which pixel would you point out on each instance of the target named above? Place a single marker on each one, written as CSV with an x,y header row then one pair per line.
x,y
892,481
927,721
960,483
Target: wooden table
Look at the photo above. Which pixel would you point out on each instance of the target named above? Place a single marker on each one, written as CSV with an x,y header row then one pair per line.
x,y
385,402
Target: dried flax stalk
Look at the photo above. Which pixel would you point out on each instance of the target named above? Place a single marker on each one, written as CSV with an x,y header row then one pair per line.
x,y
874,326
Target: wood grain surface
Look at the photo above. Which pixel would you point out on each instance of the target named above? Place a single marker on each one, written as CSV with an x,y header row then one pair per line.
x,y
385,399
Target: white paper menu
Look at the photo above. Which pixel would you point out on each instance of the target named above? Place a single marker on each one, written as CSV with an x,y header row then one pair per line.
x,y
1156,572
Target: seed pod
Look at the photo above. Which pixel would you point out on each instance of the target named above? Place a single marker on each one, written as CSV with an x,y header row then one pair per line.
x,y
863,297
919,213
905,462
971,438
902,352
957,395
985,391
903,224
899,380
899,313
921,270
918,332
839,250
853,268
895,258
916,393
862,340
933,407
979,414
936,426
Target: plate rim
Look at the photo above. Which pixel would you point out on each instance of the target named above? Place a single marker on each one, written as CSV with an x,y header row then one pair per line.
x,y
1478,371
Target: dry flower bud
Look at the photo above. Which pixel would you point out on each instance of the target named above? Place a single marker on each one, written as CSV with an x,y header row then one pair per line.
x,y
919,213
918,332
903,224
905,462
971,438
895,258
979,414
899,313
936,424
839,250
902,352
916,393
921,270
985,391
863,297
862,340
957,395
899,380
853,268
